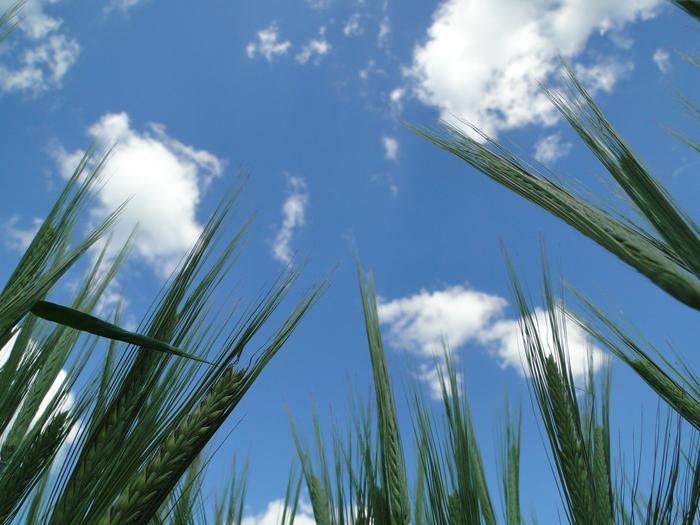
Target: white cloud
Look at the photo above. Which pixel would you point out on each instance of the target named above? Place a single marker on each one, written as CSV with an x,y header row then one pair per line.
x,y
602,75
273,513
164,179
33,19
371,69
315,49
384,31
318,4
421,323
483,61
388,180
391,148
433,377
550,149
294,217
662,60
41,66
18,237
384,26
5,350
429,323
508,345
268,44
396,100
44,53
122,5
353,27
66,403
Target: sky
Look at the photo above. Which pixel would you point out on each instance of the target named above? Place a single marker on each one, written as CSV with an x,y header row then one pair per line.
x,y
307,102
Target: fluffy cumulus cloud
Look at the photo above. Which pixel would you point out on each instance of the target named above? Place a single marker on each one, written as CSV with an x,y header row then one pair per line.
x,y
391,148
429,323
315,49
551,148
162,178
273,513
268,44
44,52
662,60
434,376
483,61
506,342
603,74
293,218
17,236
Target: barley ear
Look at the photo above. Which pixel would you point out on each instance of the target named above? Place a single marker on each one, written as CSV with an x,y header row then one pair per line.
x,y
392,460
677,385
668,255
321,502
510,468
160,475
566,428
28,464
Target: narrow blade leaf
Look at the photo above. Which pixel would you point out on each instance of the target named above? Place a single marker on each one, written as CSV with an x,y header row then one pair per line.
x,y
87,323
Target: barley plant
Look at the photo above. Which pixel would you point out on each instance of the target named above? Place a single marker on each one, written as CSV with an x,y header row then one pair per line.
x,y
146,408
596,486
664,246
132,447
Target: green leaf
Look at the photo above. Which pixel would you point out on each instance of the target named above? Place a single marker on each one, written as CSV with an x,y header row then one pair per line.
x,y
87,323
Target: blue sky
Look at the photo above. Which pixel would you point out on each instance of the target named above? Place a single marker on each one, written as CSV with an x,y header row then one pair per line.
x,y
307,100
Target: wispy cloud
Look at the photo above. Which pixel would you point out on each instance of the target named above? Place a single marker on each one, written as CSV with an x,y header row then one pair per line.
x,y
318,4
268,44
396,97
293,218
662,59
603,74
18,237
122,5
383,32
388,180
551,148
384,26
315,49
391,148
164,180
352,26
371,69
46,54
